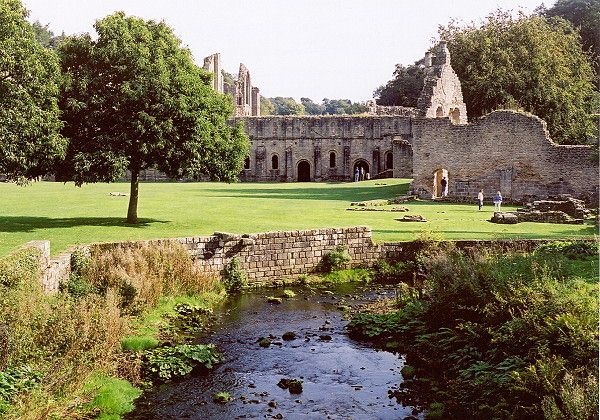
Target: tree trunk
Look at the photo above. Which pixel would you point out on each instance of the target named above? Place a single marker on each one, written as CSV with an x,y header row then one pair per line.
x,y
133,197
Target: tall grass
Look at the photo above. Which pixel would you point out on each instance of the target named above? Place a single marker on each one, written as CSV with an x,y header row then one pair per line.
x,y
65,338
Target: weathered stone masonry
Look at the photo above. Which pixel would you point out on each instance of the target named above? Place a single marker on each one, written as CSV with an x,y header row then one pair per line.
x,y
271,256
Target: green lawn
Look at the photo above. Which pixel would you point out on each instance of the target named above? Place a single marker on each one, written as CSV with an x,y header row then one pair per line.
x,y
69,215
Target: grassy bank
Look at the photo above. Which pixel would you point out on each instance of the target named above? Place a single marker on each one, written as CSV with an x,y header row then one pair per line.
x,y
68,215
493,334
86,351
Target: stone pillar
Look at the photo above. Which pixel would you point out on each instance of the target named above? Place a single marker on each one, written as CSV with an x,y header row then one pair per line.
x,y
289,165
403,158
317,160
376,162
255,102
346,160
259,162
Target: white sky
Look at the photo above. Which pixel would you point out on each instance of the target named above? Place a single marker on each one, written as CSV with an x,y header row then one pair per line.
x,y
301,48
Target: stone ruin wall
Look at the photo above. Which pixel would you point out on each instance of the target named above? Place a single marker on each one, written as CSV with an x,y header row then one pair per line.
x,y
313,138
504,151
272,256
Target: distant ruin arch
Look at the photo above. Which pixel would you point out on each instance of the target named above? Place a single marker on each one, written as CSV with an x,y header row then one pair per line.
x,y
439,112
454,115
361,164
332,160
274,162
389,160
304,171
437,190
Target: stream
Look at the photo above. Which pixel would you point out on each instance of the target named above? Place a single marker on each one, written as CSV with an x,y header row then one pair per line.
x,y
342,378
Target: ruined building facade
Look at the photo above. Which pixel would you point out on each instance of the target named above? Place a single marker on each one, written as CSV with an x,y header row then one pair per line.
x,y
246,98
505,151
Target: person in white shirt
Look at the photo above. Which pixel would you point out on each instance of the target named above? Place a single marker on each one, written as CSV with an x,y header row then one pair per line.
x,y
480,199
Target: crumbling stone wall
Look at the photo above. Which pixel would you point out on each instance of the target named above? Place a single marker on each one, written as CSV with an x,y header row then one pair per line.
x,y
442,93
320,141
505,151
212,64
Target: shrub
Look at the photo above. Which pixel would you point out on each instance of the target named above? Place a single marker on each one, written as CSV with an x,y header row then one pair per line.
x,y
81,259
336,259
572,250
14,381
22,266
76,286
234,278
167,362
401,271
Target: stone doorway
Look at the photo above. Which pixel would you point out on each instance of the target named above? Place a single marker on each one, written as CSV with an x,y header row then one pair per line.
x,y
438,175
303,171
363,170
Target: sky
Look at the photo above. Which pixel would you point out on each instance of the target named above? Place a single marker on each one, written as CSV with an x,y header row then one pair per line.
x,y
336,49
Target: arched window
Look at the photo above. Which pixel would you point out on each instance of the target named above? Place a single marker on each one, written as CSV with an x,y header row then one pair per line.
x,y
389,160
275,162
247,163
332,160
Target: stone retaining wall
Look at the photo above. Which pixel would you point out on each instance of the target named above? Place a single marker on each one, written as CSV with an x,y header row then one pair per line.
x,y
271,256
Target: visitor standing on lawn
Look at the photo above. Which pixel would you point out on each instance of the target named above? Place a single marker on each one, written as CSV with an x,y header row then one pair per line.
x,y
497,201
480,199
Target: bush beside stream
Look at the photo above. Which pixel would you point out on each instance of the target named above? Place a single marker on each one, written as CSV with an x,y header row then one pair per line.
x,y
61,355
495,334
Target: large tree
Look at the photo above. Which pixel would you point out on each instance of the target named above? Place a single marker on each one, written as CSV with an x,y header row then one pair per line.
x,y
134,99
585,16
526,62
29,85
404,88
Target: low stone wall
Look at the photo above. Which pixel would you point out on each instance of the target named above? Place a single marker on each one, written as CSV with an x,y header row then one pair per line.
x,y
53,270
271,256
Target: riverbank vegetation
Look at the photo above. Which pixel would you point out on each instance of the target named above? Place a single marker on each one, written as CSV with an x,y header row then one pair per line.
x,y
67,215
493,334
124,318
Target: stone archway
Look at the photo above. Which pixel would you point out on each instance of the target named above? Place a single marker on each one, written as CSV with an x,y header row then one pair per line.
x,y
437,190
304,171
455,116
363,169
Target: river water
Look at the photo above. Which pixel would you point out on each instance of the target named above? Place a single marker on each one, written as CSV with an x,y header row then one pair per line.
x,y
342,378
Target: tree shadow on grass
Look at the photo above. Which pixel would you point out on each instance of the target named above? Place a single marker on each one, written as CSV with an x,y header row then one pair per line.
x,y
354,193
32,223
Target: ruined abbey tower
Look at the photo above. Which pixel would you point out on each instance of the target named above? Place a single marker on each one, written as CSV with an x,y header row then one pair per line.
x,y
246,98
504,151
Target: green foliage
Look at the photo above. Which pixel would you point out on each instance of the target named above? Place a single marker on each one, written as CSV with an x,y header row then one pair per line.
x,y
45,37
342,107
113,397
81,259
29,116
222,397
77,286
22,266
404,88
529,63
348,275
585,16
138,343
168,362
336,259
266,106
288,294
401,271
16,380
137,89
572,250
233,276
499,335
286,106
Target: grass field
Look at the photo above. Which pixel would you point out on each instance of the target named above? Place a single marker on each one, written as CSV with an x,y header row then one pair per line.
x,y
68,215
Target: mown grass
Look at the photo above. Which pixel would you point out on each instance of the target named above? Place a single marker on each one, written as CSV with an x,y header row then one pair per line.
x,y
68,215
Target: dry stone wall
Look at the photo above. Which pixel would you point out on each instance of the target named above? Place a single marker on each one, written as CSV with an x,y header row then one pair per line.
x,y
505,151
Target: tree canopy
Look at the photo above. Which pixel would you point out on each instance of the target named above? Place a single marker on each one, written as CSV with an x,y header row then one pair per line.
x,y
133,99
526,62
585,16
404,88
29,85
45,37
289,106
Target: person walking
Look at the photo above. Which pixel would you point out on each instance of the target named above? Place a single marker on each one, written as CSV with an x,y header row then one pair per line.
x,y
444,186
497,201
356,174
480,199
362,174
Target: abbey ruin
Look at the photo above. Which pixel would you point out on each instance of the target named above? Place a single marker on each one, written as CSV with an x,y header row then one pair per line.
x,y
504,151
